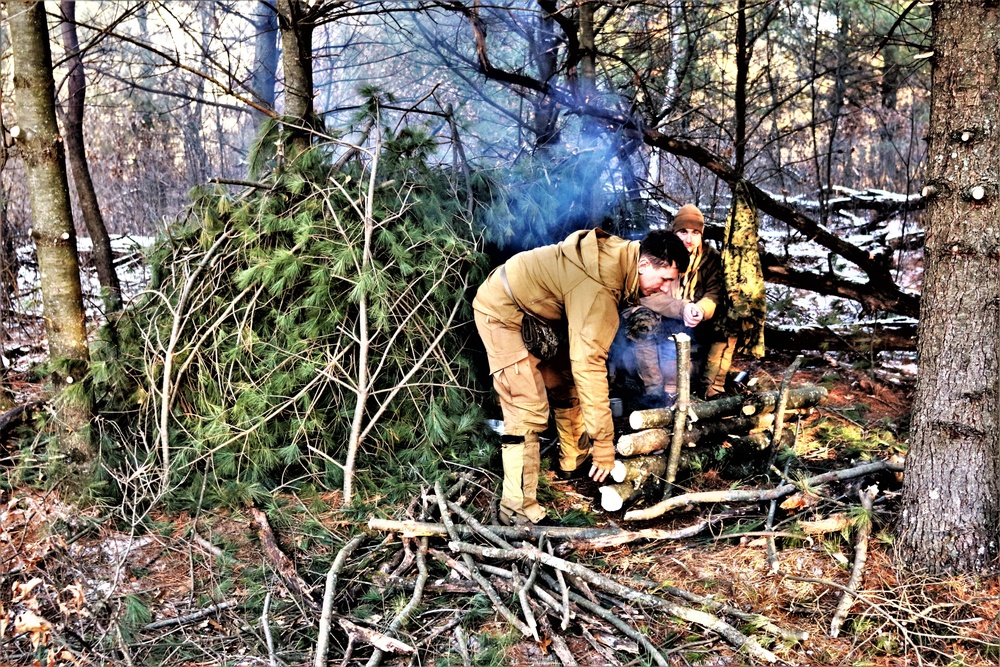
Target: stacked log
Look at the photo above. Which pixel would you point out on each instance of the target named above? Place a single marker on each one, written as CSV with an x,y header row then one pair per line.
x,y
741,421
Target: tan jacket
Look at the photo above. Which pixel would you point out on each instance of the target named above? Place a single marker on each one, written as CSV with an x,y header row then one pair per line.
x,y
582,281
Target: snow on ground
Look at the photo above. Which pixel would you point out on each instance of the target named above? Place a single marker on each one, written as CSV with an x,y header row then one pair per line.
x,y
26,347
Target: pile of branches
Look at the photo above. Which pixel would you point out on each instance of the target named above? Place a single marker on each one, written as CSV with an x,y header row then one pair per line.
x,y
290,329
530,579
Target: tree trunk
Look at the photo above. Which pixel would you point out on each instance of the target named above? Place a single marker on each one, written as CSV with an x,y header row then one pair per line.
x,y
951,490
743,274
73,124
296,26
544,52
265,59
55,238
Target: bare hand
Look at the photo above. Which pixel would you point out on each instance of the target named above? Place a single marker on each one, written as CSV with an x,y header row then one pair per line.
x,y
693,315
599,474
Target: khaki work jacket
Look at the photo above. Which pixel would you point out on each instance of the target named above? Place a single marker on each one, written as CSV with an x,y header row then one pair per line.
x,y
582,281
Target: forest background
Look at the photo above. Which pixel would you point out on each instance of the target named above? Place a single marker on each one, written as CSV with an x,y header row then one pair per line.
x,y
327,181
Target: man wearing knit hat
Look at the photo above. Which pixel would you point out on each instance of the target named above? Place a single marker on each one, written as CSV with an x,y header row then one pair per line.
x,y
697,307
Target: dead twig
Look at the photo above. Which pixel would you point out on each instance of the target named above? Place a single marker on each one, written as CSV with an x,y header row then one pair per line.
x,y
195,616
860,557
474,571
405,612
708,621
265,626
323,640
871,605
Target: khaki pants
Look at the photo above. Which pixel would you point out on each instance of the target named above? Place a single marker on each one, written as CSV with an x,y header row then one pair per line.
x,y
525,388
717,363
658,371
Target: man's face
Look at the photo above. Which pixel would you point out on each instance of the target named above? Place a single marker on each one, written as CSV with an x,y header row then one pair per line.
x,y
653,279
691,238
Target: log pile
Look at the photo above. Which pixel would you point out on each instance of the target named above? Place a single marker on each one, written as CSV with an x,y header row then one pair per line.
x,y
745,424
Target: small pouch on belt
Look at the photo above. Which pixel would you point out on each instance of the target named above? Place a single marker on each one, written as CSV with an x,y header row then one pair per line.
x,y
540,337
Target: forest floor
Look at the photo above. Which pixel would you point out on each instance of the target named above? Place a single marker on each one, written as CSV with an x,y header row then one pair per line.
x,y
133,585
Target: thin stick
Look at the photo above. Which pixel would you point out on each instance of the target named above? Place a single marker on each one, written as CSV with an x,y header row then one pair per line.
x,y
265,625
779,411
474,570
680,409
772,554
564,589
463,646
860,556
196,616
418,592
871,605
522,598
601,537
323,640
708,621
623,627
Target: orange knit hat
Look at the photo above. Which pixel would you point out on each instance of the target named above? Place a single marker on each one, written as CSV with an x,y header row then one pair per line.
x,y
689,217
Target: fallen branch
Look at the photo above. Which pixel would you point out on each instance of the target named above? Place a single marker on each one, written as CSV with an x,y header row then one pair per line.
x,y
322,641
405,612
195,616
265,626
281,563
474,571
15,416
900,625
580,538
860,557
685,500
382,642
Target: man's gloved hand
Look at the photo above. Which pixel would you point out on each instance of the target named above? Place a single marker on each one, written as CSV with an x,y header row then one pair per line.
x,y
603,460
640,322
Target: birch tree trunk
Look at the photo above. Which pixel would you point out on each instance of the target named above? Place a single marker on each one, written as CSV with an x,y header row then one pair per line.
x,y
951,491
55,238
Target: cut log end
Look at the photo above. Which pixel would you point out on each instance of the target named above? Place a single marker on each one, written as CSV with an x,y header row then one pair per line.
x,y
611,498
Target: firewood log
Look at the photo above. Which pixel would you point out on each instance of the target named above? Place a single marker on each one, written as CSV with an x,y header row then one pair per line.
x,y
654,439
758,403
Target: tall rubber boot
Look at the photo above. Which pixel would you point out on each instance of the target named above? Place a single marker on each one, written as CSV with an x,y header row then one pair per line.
x,y
521,463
